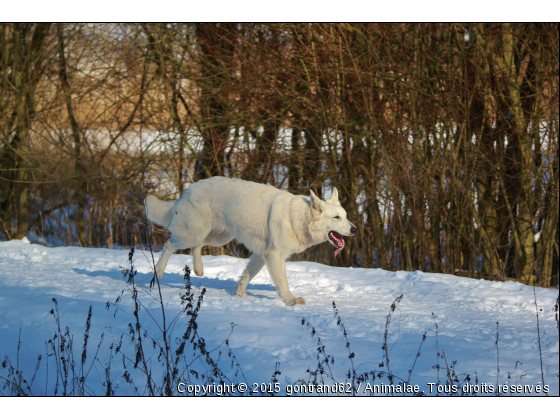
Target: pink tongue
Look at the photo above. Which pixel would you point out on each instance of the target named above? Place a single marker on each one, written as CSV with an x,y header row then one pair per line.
x,y
337,250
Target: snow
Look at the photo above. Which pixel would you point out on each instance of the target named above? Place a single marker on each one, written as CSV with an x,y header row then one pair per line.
x,y
266,332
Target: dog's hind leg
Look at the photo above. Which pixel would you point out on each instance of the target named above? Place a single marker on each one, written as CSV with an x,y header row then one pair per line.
x,y
172,245
213,239
277,269
168,249
197,260
255,264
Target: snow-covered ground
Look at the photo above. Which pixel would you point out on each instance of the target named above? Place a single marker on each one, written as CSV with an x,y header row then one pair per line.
x,y
465,310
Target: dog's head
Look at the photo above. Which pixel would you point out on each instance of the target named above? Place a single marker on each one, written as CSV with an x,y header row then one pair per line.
x,y
329,222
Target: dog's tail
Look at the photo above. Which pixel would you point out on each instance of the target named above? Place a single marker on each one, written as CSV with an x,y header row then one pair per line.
x,y
158,211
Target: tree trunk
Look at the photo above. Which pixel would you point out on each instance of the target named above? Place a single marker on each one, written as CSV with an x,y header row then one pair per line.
x,y
80,193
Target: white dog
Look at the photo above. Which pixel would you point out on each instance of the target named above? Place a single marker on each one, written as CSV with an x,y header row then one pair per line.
x,y
272,223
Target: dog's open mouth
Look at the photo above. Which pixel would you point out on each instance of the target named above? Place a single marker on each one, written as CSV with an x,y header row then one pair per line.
x,y
337,240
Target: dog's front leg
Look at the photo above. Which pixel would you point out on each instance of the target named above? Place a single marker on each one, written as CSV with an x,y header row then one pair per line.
x,y
277,268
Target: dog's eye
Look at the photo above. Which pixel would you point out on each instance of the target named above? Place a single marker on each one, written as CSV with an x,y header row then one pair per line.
x,y
337,217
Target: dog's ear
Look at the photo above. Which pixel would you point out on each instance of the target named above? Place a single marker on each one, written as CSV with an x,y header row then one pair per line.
x,y
334,197
316,202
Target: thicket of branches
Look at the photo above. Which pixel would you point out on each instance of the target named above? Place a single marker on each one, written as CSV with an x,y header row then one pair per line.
x,y
441,138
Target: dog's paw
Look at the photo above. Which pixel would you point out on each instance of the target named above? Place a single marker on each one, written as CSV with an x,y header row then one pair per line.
x,y
159,273
199,273
298,301
241,293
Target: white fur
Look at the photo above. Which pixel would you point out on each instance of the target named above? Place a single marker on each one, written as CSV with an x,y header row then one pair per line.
x,y
272,223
